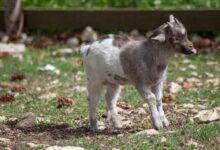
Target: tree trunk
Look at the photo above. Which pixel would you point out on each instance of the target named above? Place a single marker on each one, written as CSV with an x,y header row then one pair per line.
x,y
14,17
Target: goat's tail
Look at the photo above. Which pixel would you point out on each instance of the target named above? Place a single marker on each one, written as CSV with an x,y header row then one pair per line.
x,y
83,49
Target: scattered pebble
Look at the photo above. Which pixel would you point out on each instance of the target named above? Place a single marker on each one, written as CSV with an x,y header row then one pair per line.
x,y
188,105
174,87
64,148
27,121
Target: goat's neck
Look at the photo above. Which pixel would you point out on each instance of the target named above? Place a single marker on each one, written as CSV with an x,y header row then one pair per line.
x,y
158,54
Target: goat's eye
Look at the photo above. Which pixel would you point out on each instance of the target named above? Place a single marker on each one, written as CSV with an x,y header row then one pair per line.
x,y
175,39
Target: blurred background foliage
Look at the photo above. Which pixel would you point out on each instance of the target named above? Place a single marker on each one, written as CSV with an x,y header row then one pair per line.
x,y
144,4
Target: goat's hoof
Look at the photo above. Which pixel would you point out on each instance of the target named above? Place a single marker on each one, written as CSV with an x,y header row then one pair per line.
x,y
166,123
158,125
117,124
93,128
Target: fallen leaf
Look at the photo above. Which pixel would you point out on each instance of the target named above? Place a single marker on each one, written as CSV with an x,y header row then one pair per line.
x,y
124,105
6,84
168,97
17,77
7,98
18,88
62,101
186,85
207,115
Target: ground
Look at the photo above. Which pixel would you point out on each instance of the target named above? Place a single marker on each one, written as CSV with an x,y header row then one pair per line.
x,y
68,125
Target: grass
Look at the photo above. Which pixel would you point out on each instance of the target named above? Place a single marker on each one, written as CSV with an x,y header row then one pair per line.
x,y
145,4
40,83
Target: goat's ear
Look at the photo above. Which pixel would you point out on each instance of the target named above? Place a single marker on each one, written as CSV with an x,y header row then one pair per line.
x,y
160,37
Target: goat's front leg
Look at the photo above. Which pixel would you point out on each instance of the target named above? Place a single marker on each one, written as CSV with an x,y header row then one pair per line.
x,y
158,91
149,97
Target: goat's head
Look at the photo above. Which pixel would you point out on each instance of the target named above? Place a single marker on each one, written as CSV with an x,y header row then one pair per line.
x,y
175,34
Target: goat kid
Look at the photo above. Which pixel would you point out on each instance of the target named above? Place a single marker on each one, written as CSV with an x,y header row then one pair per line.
x,y
117,60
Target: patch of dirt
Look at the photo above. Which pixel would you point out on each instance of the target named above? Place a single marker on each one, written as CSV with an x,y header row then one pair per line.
x,y
130,118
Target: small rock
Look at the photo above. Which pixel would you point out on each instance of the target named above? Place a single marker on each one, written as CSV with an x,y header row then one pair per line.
x,y
5,141
12,49
64,148
148,132
188,105
174,87
180,80
141,110
33,145
163,139
50,68
191,66
2,119
48,96
89,35
210,75
74,42
29,120
208,115
63,52
193,143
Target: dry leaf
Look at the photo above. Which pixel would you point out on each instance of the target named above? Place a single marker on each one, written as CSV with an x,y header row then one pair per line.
x,y
168,97
18,88
186,85
17,77
124,105
62,101
7,98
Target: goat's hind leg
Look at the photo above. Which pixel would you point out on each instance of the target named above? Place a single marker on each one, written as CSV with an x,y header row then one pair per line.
x,y
111,96
94,90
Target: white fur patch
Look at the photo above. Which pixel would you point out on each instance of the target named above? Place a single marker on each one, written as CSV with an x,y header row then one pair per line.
x,y
103,59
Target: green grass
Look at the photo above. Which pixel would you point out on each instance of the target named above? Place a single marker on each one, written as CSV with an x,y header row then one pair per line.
x,y
145,4
72,75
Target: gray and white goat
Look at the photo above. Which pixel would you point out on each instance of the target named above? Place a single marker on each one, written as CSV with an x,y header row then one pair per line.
x,y
113,61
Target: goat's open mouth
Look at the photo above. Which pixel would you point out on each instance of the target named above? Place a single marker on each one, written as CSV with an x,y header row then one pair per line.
x,y
189,52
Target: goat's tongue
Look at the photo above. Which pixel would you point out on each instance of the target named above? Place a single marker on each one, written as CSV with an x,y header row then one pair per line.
x,y
194,51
